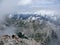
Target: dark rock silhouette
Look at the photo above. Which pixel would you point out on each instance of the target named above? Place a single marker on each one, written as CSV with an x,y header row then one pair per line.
x,y
20,35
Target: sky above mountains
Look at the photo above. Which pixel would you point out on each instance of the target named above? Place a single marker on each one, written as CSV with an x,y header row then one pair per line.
x,y
13,6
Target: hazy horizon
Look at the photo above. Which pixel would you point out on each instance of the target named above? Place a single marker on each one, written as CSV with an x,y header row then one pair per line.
x,y
15,6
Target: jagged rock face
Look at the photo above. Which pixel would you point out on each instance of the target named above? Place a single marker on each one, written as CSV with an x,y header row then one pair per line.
x,y
6,40
40,31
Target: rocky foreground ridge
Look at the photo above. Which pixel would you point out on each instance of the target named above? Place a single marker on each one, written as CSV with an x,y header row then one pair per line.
x,y
15,40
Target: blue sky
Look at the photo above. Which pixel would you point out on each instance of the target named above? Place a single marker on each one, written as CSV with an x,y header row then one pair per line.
x,y
11,6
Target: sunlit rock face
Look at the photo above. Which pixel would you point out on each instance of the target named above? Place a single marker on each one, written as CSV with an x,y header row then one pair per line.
x,y
8,40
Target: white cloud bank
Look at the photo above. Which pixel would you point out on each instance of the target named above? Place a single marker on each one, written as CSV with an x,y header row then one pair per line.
x,y
24,2
45,12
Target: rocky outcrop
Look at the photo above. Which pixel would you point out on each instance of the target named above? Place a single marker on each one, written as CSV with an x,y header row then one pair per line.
x,y
8,40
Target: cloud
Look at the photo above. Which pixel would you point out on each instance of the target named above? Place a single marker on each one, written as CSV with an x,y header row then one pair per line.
x,y
6,7
43,1
24,2
45,12
12,6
